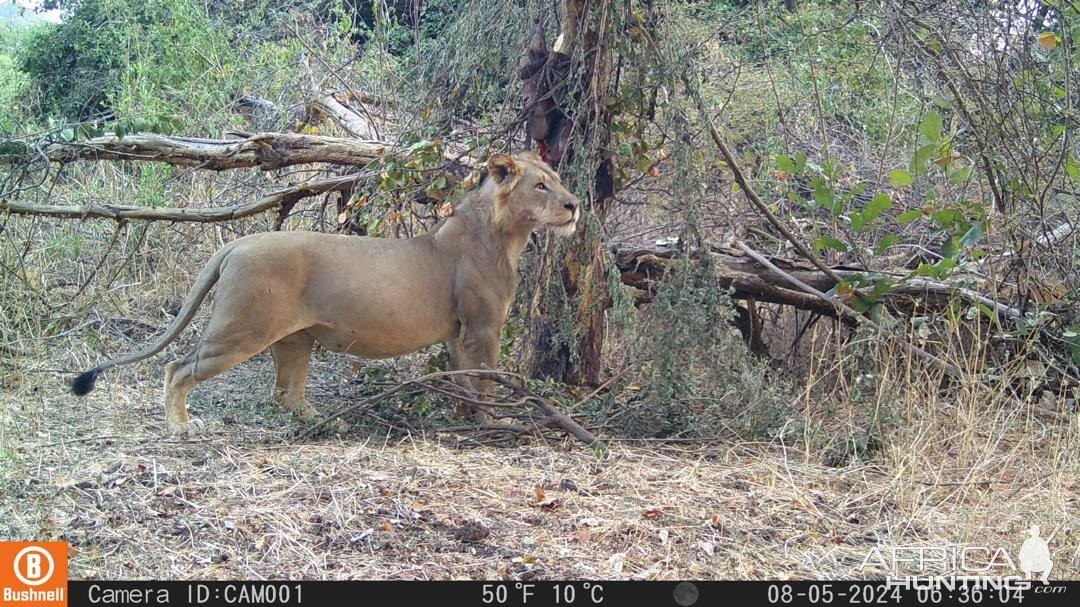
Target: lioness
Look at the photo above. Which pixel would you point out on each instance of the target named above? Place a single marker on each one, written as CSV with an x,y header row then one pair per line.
x,y
370,297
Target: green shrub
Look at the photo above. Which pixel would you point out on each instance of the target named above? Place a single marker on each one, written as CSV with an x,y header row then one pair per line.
x,y
128,58
13,82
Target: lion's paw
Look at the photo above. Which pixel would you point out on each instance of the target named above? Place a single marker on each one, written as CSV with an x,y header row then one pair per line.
x,y
192,427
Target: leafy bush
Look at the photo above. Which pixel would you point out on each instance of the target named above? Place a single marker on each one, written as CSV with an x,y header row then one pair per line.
x,y
13,82
148,58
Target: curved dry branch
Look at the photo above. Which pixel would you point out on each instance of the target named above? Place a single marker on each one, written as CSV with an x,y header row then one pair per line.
x,y
267,151
554,418
282,199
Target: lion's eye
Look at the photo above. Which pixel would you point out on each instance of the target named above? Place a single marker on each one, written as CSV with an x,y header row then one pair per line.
x,y
540,186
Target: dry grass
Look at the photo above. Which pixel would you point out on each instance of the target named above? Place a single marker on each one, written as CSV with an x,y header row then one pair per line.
x,y
244,502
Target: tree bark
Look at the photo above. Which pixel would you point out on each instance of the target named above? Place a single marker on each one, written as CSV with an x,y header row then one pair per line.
x,y
563,94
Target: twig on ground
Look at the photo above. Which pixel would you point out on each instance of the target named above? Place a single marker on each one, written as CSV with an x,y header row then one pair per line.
x,y
554,418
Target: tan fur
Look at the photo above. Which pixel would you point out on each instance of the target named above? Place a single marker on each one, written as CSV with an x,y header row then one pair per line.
x,y
370,297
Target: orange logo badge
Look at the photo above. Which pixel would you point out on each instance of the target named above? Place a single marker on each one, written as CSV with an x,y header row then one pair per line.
x,y
33,574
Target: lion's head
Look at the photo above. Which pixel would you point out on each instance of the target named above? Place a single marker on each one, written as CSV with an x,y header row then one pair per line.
x,y
529,193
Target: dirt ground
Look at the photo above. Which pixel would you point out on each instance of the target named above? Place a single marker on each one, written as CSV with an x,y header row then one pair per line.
x,y
244,500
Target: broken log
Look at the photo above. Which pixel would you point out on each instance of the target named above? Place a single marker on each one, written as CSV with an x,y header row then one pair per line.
x,y
357,123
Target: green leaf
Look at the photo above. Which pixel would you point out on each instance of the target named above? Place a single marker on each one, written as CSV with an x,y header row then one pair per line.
x,y
951,247
13,148
946,218
823,195
931,126
423,144
873,210
860,304
941,102
883,286
960,175
878,205
922,156
940,269
909,216
900,178
1072,168
800,161
884,244
973,235
785,163
828,242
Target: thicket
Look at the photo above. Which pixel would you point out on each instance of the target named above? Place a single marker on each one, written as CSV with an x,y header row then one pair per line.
x,y
912,142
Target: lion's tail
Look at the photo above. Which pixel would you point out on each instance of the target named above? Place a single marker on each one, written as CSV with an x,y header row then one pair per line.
x,y
84,382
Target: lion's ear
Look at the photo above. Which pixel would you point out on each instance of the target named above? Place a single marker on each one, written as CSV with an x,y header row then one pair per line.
x,y
501,166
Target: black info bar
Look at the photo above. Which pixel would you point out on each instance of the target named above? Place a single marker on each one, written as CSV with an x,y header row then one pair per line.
x,y
908,591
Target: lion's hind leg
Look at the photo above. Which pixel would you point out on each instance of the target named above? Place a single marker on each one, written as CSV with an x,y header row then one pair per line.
x,y
208,359
292,355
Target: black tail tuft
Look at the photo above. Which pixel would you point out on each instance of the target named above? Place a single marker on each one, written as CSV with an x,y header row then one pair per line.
x,y
84,382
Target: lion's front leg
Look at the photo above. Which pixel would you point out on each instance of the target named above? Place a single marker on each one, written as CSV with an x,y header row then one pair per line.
x,y
455,349
477,350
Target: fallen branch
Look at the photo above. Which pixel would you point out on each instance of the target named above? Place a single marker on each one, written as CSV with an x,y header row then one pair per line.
x,y
267,151
282,199
555,418
345,116
645,267
850,313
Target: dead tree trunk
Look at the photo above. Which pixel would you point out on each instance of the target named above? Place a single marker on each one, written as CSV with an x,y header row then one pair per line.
x,y
563,93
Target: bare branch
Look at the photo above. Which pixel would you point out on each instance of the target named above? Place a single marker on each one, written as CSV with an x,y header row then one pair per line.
x,y
282,199
516,383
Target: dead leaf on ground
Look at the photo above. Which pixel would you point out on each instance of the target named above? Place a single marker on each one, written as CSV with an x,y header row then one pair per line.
x,y
545,503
